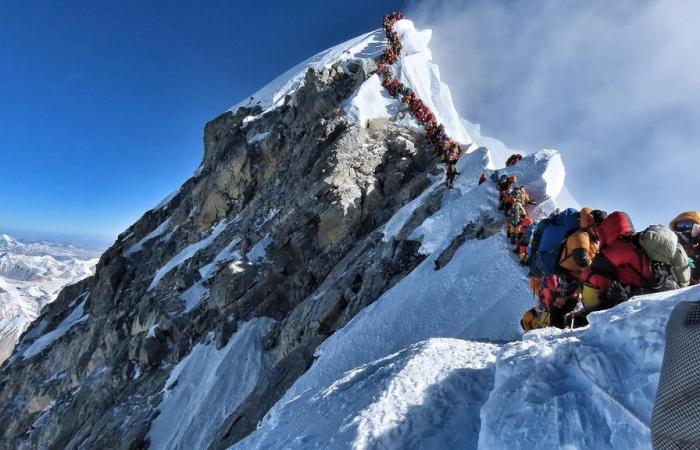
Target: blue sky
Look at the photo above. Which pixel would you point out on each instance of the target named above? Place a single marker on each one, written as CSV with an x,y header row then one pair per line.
x,y
103,104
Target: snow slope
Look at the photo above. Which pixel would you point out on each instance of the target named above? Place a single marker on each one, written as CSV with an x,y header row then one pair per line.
x,y
412,399
479,295
207,386
594,388
74,318
590,388
412,370
31,276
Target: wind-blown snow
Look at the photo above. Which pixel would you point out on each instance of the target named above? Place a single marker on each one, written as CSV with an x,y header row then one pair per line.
x,y
498,152
74,318
187,253
416,69
208,386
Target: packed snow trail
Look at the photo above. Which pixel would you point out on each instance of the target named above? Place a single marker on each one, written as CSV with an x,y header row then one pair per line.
x,y
436,132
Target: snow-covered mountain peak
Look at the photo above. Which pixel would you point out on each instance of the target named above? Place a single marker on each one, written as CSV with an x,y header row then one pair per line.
x,y
7,242
56,250
31,276
272,95
415,69
315,285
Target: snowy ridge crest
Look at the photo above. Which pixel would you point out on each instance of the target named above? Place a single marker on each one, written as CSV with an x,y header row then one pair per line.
x,y
315,285
412,368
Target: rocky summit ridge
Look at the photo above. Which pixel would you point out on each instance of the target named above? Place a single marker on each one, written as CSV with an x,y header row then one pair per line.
x,y
282,223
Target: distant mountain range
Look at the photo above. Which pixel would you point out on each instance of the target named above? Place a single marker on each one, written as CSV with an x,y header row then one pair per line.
x,y
32,274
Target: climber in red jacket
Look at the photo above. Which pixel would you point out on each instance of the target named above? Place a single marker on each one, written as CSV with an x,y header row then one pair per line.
x,y
514,159
619,270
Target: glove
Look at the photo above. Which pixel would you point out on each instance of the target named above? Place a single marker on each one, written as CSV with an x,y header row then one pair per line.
x,y
616,293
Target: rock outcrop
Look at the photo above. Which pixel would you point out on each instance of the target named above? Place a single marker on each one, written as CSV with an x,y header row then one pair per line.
x,y
282,220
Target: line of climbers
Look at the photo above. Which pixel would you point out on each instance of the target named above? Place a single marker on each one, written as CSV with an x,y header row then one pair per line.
x,y
585,261
579,261
449,149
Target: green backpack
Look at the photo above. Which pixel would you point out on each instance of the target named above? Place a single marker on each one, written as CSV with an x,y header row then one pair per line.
x,y
661,245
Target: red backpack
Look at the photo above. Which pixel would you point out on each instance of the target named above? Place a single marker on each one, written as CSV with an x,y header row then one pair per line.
x,y
630,264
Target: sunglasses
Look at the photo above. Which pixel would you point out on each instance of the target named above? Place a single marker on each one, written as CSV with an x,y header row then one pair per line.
x,y
683,226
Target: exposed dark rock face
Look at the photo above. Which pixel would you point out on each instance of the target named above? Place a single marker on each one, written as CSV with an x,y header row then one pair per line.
x,y
287,226
485,227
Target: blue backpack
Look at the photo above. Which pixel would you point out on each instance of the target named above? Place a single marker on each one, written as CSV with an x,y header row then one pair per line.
x,y
558,228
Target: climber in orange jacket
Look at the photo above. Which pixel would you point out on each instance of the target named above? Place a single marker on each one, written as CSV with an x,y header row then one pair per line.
x,y
582,246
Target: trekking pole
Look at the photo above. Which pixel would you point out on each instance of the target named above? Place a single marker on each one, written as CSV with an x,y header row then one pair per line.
x,y
572,321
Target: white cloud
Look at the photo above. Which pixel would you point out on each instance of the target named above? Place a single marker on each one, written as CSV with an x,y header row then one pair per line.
x,y
614,85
